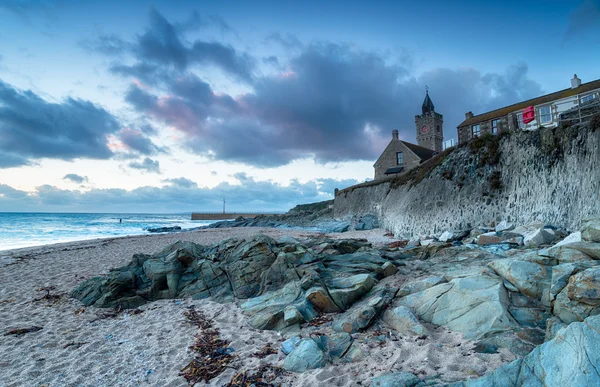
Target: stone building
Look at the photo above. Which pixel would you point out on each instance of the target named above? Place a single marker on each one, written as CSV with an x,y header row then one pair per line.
x,y
429,126
401,156
575,104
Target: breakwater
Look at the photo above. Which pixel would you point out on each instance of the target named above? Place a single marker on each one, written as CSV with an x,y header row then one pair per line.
x,y
226,216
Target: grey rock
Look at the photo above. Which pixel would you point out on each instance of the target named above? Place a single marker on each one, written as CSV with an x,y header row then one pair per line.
x,y
346,291
307,355
565,254
446,236
529,277
288,345
504,226
580,298
404,321
164,229
420,285
364,313
476,306
571,238
246,262
396,379
367,222
541,236
553,325
569,359
589,248
590,229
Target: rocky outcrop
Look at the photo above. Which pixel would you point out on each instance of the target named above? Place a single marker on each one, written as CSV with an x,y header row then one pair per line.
x,y
475,306
570,359
522,177
326,293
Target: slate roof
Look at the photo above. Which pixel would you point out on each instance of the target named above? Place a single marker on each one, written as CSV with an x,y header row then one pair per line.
x,y
389,171
427,104
502,112
421,152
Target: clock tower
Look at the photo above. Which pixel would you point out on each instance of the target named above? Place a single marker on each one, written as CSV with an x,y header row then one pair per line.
x,y
430,131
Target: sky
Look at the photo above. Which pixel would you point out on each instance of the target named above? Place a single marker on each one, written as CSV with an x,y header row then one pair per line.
x,y
173,106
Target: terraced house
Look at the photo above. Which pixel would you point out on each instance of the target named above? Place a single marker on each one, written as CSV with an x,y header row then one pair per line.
x,y
575,104
401,156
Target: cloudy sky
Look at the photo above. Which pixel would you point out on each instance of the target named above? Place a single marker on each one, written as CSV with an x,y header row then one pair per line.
x,y
156,106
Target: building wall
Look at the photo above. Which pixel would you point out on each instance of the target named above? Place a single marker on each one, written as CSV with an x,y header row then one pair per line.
x,y
433,139
388,159
510,123
465,133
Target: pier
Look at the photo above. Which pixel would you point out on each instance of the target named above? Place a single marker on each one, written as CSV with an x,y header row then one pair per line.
x,y
226,216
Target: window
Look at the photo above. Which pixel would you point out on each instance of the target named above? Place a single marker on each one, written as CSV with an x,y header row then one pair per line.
x,y
545,114
587,98
495,124
476,130
520,123
399,158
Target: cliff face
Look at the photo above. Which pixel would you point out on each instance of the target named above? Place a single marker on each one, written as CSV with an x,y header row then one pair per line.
x,y
549,175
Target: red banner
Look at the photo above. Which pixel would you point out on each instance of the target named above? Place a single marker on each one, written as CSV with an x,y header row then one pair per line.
x,y
528,114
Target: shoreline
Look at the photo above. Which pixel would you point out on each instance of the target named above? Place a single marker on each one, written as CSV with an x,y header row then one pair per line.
x,y
79,345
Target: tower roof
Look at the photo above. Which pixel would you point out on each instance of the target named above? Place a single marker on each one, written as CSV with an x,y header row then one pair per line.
x,y
427,104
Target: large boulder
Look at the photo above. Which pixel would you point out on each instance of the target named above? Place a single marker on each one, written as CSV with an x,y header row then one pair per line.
x,y
529,277
540,236
364,313
475,306
346,291
305,356
246,262
267,311
570,359
590,229
589,248
367,222
580,298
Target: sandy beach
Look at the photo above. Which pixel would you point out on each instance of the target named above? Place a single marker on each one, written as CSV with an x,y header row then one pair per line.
x,y
80,346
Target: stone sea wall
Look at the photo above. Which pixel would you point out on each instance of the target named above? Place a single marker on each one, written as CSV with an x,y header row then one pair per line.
x,y
548,175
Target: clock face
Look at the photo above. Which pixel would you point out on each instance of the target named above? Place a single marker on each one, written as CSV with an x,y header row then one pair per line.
x,y
425,129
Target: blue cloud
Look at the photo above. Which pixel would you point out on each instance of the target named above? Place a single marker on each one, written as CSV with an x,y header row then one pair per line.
x,y
147,165
74,178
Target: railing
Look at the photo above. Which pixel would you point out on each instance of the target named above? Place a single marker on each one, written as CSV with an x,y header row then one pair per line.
x,y
449,144
577,108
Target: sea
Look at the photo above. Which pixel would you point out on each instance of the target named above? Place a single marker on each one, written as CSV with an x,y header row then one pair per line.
x,y
27,229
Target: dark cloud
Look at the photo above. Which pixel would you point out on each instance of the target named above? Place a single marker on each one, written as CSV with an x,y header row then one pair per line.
x,y
137,142
9,193
164,44
584,23
181,182
31,127
76,178
334,103
8,160
179,195
271,60
147,165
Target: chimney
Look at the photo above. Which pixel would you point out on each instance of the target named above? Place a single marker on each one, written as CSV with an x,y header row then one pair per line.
x,y
468,115
395,134
575,82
